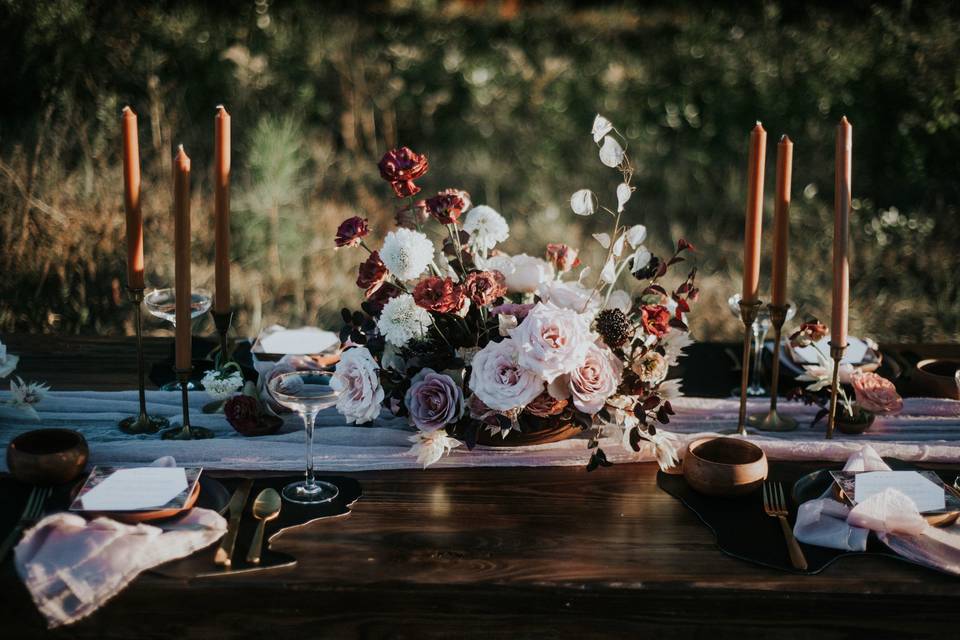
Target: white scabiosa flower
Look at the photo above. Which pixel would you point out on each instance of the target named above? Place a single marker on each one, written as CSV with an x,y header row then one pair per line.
x,y
406,253
486,227
24,395
220,384
402,320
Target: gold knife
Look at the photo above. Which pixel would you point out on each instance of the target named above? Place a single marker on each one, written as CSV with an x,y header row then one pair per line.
x,y
237,502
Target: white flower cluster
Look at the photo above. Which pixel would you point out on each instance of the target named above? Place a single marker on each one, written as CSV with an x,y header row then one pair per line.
x,y
403,320
406,253
220,384
486,228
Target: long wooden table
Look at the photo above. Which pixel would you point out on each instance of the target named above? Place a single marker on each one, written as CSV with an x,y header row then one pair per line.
x,y
491,553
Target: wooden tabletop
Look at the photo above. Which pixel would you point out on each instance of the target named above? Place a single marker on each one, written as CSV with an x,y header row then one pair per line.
x,y
493,553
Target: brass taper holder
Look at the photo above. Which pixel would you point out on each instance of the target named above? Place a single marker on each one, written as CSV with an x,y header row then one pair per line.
x,y
836,352
223,321
144,422
748,314
773,421
186,432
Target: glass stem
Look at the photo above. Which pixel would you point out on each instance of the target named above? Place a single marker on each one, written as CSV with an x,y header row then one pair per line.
x,y
308,421
758,336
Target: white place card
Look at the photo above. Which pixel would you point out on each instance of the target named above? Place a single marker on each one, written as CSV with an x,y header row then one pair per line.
x,y
136,489
927,495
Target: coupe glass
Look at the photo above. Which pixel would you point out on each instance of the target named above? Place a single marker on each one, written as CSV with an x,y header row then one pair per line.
x,y
162,304
759,330
306,392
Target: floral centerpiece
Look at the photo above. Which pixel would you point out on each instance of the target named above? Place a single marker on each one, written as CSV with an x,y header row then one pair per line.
x,y
471,344
862,395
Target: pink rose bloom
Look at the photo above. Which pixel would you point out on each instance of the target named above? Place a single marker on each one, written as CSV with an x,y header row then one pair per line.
x,y
434,400
592,382
498,380
553,341
875,393
357,383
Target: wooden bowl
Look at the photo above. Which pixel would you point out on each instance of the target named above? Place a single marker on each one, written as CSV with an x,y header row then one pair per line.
x,y
47,456
935,377
724,466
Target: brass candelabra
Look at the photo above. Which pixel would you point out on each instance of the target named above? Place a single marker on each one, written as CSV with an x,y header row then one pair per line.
x,y
748,314
773,421
836,352
222,322
143,422
186,432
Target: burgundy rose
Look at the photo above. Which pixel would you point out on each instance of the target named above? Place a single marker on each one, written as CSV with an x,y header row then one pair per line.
x,y
245,415
655,319
400,167
545,405
441,295
351,232
412,217
381,296
562,257
447,206
484,287
371,274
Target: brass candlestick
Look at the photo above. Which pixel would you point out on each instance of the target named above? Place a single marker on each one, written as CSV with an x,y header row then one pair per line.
x,y
748,313
836,352
773,421
222,322
186,432
142,423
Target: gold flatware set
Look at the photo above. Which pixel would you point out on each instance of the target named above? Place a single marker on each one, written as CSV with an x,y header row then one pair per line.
x,y
266,507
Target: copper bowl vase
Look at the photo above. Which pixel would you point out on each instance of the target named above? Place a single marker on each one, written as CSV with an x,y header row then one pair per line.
x,y
47,456
936,378
724,466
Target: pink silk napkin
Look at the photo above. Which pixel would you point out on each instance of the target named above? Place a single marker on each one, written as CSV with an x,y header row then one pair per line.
x,y
891,514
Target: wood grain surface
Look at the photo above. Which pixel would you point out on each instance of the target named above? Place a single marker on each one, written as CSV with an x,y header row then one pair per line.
x,y
495,553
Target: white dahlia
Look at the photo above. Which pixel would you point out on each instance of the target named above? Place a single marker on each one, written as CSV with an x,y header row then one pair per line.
x,y
406,253
402,320
486,227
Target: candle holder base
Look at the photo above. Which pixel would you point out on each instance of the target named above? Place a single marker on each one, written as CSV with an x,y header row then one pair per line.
x,y
143,424
772,421
186,432
836,353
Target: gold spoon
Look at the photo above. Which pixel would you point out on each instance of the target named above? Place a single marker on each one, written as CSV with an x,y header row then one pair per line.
x,y
265,508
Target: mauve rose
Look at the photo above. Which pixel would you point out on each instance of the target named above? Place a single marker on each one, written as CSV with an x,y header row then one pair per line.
x,y
351,231
447,206
371,274
875,393
400,167
433,400
412,217
357,383
441,295
553,341
545,405
499,381
655,319
590,384
484,287
513,309
562,257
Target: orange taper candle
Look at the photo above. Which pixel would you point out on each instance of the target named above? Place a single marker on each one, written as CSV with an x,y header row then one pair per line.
x,y
221,209
181,220
781,222
841,234
754,217
131,199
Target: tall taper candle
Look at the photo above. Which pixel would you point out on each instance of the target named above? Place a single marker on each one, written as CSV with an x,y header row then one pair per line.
x,y
841,234
131,199
781,222
221,212
754,217
181,213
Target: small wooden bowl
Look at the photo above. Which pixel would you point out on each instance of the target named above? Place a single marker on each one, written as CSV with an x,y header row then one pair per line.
x,y
935,377
724,466
47,456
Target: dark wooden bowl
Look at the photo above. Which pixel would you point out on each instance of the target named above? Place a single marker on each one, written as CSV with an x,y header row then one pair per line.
x,y
935,378
47,456
724,466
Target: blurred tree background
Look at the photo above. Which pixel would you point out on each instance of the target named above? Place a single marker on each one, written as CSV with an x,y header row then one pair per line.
x,y
500,95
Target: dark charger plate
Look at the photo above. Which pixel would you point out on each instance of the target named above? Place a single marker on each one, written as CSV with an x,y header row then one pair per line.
x,y
744,531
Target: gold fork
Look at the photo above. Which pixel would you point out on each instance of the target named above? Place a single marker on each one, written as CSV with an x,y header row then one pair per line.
x,y
31,512
775,506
